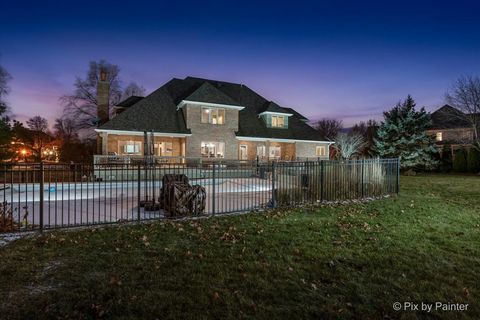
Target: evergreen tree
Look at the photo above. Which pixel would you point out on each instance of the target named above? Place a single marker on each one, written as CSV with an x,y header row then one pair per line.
x,y
403,135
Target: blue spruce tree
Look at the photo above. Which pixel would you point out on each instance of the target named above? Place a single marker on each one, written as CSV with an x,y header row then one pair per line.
x,y
402,135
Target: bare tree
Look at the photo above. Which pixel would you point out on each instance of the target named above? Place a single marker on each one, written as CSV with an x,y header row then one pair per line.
x,y
132,89
5,127
65,130
81,106
38,127
368,130
349,145
328,128
465,96
4,88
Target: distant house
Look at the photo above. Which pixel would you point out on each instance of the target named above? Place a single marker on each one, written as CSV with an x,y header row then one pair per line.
x,y
203,118
451,126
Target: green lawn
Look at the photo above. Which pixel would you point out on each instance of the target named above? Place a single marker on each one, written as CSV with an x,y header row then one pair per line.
x,y
350,261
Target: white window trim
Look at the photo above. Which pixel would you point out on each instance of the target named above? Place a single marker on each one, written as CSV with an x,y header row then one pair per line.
x,y
323,151
277,117
212,110
276,114
217,143
271,148
246,151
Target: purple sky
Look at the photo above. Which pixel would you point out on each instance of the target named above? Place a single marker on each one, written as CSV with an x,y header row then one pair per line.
x,y
349,62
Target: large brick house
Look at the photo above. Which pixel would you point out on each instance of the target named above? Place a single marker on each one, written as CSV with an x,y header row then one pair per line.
x,y
203,118
451,126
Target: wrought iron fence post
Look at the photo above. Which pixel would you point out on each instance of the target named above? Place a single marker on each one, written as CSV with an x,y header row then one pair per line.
x,y
213,188
322,178
363,177
138,192
42,178
274,196
398,175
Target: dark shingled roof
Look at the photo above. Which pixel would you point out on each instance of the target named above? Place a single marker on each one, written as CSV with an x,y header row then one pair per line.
x,y
208,93
271,106
298,115
158,110
448,117
128,102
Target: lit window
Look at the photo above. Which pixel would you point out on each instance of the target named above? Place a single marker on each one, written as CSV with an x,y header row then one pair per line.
x,y
213,115
163,149
243,152
274,152
131,147
320,151
438,136
213,149
261,151
278,121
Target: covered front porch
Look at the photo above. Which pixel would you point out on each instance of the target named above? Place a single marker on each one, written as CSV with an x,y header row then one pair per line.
x,y
130,147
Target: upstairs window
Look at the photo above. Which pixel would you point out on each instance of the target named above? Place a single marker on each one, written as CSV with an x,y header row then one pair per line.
x,y
276,121
438,136
213,115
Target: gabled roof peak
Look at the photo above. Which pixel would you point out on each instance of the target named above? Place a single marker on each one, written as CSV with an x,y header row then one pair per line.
x,y
209,94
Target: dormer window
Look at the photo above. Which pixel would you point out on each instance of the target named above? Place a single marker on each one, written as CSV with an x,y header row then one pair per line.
x,y
278,121
213,115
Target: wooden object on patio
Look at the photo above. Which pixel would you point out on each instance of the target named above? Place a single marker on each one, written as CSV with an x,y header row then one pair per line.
x,y
179,198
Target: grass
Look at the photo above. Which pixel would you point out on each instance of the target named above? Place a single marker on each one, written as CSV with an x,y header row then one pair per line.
x,y
350,261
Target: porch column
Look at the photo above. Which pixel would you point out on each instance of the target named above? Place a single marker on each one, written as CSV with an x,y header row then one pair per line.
x,y
182,150
104,137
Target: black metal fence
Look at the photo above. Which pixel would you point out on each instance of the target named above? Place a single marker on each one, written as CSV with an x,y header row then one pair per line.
x,y
45,196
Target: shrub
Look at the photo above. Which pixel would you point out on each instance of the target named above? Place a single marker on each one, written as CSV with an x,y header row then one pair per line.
x,y
473,160
446,159
460,161
7,221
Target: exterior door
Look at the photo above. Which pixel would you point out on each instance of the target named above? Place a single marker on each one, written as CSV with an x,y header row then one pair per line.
x,y
243,152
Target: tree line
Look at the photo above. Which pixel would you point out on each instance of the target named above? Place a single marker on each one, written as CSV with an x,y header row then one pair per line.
x,y
71,137
403,133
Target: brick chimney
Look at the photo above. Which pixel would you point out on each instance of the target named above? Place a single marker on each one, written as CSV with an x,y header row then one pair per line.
x,y
103,89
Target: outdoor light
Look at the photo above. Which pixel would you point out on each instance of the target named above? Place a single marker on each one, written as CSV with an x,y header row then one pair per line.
x,y
24,152
50,153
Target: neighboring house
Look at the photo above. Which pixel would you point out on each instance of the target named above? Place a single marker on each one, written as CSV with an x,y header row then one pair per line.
x,y
450,126
203,118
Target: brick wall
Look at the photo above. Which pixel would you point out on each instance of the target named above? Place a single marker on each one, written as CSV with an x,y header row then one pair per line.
x,y
307,149
205,132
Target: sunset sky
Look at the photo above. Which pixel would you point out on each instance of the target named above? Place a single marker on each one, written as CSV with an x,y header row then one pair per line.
x,y
341,60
